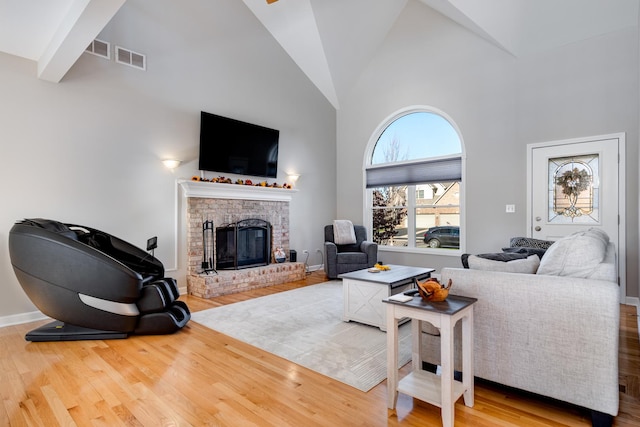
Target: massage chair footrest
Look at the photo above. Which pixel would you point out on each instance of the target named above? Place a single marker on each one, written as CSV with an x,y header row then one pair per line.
x,y
166,322
156,296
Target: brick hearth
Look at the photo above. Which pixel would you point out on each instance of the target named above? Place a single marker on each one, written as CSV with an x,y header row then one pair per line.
x,y
232,281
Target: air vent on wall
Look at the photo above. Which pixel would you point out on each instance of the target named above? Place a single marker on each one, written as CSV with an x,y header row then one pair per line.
x,y
131,58
99,48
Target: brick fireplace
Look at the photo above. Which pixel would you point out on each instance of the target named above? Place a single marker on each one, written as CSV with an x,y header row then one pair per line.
x,y
225,204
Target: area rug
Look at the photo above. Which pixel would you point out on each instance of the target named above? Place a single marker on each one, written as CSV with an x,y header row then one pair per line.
x,y
305,326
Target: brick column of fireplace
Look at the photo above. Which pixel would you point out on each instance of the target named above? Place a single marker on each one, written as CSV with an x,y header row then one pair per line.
x,y
228,203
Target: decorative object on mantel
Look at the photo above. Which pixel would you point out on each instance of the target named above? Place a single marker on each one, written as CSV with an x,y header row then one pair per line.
x,y
431,289
207,247
279,255
225,180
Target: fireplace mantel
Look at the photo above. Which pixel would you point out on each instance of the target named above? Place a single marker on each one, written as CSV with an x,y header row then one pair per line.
x,y
214,190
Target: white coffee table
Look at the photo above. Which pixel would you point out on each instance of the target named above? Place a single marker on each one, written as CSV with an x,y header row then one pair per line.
x,y
364,292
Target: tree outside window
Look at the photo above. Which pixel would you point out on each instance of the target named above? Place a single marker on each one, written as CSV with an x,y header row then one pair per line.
x,y
389,215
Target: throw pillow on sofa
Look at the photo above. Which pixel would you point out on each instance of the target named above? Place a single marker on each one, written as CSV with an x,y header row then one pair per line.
x,y
527,265
529,242
526,251
496,256
576,255
528,245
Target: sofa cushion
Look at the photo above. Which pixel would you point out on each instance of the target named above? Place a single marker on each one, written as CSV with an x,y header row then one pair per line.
x,y
352,258
607,269
576,255
527,265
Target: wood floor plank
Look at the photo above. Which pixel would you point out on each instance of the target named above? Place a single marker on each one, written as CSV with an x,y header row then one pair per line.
x,y
200,377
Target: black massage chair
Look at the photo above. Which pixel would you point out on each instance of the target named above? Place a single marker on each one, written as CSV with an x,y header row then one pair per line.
x,y
96,285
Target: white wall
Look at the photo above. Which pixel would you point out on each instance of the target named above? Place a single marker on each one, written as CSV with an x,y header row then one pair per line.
x,y
500,103
88,150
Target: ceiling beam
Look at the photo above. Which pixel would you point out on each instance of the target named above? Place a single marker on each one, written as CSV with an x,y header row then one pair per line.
x,y
83,22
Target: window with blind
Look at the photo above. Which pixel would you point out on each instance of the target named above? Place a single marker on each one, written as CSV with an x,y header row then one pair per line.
x,y
413,182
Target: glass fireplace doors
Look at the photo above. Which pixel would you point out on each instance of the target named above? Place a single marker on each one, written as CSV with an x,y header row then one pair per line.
x,y
243,244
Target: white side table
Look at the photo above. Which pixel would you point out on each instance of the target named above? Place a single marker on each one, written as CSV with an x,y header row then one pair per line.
x,y
442,391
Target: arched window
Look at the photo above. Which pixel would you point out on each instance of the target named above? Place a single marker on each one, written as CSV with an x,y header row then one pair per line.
x,y
414,175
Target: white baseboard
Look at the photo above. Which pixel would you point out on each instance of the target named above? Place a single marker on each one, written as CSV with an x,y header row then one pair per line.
x,y
18,319
315,267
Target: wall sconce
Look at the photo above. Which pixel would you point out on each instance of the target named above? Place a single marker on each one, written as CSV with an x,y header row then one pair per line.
x,y
293,178
171,163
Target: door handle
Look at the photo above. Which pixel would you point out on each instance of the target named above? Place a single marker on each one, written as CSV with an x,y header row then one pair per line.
x,y
538,228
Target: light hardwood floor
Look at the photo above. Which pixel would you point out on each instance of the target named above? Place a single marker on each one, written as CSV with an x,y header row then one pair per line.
x,y
200,377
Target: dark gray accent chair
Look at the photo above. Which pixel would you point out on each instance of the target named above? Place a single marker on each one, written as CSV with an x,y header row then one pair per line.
x,y
345,258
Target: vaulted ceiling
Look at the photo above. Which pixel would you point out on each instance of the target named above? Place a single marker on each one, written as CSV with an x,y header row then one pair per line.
x,y
330,40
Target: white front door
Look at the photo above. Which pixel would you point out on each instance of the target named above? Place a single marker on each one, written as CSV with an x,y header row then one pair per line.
x,y
576,185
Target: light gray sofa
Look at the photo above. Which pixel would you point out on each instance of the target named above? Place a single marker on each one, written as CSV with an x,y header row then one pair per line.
x,y
553,333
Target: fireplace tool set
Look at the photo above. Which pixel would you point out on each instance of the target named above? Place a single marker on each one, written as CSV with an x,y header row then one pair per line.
x,y
207,247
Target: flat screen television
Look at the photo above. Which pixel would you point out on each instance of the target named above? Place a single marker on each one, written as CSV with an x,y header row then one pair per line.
x,y
236,147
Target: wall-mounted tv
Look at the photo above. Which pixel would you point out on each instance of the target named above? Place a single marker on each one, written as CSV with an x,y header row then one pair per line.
x,y
236,147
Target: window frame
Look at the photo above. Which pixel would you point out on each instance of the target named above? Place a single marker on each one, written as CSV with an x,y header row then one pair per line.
x,y
411,202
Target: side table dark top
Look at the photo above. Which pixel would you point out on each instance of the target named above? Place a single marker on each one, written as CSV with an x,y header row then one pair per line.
x,y
450,306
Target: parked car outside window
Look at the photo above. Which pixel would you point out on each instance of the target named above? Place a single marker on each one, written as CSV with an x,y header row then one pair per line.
x,y
443,237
